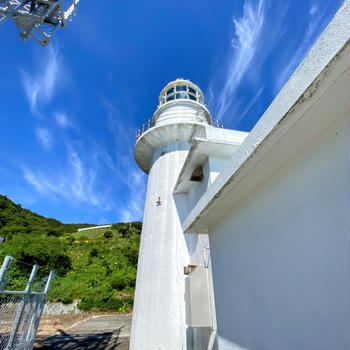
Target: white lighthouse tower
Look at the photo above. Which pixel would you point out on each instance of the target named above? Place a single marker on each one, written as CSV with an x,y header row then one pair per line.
x,y
159,308
183,153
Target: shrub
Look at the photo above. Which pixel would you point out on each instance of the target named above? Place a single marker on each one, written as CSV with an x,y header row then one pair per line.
x,y
49,253
94,252
53,232
108,234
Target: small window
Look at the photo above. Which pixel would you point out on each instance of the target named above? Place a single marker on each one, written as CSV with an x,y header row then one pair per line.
x,y
181,95
181,88
170,91
197,174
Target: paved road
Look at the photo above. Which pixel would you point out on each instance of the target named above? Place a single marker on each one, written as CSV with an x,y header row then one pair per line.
x,y
101,332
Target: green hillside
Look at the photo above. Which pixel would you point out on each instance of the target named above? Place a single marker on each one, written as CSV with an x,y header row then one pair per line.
x,y
97,266
15,219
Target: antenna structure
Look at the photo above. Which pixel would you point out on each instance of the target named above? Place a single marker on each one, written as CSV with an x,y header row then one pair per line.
x,y
37,19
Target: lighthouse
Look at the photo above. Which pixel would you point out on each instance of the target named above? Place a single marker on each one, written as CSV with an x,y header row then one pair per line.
x,y
163,148
159,308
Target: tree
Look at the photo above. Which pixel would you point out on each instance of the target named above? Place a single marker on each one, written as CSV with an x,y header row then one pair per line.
x,y
48,253
124,230
108,234
53,232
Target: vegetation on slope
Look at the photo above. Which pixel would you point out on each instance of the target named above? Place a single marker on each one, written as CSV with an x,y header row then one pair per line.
x,y
15,219
97,266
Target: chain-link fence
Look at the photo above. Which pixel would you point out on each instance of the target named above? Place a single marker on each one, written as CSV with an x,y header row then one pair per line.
x,y
20,311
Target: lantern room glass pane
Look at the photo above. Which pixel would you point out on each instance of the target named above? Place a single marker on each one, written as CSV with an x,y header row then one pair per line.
x,y
181,95
170,98
192,90
170,91
192,97
181,88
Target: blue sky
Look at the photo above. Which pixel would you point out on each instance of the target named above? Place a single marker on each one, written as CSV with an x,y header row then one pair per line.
x,y
70,111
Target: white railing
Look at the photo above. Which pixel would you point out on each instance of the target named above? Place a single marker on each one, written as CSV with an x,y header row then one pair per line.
x,y
148,125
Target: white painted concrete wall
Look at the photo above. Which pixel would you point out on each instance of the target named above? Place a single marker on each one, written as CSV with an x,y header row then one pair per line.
x,y
216,165
213,133
198,187
159,310
211,169
181,112
280,258
199,338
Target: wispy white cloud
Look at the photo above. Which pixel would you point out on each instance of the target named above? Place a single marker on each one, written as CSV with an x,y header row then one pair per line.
x,y
72,180
44,137
250,104
61,119
40,86
79,177
313,9
317,19
133,209
124,166
244,45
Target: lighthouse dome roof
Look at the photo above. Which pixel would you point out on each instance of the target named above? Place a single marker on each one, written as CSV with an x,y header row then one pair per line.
x,y
181,89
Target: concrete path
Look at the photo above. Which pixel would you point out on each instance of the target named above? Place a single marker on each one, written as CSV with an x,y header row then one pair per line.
x,y
100,332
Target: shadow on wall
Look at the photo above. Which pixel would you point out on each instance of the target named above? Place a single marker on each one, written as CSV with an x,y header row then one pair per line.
x,y
199,338
100,341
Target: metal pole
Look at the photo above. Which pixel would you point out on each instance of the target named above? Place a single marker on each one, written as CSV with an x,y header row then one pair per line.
x,y
50,10
20,311
38,316
71,9
3,271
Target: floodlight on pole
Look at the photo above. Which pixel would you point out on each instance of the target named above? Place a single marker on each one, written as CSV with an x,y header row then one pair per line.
x,y
37,19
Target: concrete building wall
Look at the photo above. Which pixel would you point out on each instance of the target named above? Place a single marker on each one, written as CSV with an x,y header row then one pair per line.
x,y
213,133
159,309
281,257
199,338
216,165
198,188
212,167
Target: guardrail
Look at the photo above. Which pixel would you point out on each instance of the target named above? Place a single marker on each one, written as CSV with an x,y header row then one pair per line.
x,y
148,125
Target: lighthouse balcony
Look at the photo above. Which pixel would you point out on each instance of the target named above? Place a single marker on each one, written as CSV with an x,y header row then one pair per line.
x,y
149,123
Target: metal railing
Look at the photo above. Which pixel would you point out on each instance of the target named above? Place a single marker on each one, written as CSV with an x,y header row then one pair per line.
x,y
144,127
148,124
20,311
217,123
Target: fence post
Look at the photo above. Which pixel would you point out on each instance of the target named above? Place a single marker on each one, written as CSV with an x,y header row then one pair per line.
x,y
21,308
3,271
41,308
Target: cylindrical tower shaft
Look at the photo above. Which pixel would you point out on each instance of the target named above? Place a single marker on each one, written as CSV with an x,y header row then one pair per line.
x,y
159,319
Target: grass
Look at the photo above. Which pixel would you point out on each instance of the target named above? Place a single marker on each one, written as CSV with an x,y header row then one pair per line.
x,y
91,234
